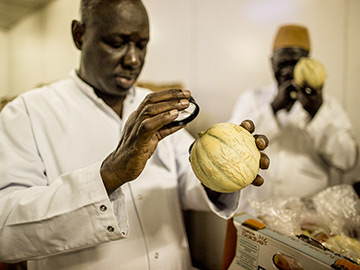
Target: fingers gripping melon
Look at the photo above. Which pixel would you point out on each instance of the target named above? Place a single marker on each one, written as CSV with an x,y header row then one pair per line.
x,y
225,158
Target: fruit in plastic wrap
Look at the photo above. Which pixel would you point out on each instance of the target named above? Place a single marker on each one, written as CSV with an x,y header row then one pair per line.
x,y
284,262
344,245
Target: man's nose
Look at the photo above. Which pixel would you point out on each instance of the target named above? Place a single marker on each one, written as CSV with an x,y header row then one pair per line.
x,y
131,58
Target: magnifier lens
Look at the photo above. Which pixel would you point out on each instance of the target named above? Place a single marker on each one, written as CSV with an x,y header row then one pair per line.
x,y
187,115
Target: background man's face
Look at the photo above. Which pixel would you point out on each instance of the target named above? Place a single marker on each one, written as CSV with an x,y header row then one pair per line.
x,y
284,61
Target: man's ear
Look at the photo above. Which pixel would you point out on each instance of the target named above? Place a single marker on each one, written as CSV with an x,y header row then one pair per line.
x,y
272,63
77,30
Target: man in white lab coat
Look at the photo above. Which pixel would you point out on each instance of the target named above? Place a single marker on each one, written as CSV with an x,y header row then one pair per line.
x,y
68,200
309,131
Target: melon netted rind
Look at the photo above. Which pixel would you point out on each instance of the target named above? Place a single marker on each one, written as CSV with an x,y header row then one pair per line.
x,y
225,158
309,71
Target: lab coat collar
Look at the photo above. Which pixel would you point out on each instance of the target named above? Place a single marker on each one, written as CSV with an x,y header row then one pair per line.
x,y
89,91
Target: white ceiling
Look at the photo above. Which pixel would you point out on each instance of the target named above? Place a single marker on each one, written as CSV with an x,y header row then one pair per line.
x,y
12,11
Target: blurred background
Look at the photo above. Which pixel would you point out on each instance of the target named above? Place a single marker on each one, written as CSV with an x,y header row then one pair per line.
x,y
215,48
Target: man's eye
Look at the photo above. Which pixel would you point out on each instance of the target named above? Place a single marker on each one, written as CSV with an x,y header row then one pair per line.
x,y
279,67
115,44
141,45
283,65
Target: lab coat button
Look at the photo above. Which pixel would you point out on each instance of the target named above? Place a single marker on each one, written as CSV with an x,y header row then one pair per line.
x,y
110,229
103,208
156,255
140,197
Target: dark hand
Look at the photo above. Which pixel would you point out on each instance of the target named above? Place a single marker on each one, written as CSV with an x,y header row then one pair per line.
x,y
261,142
311,99
142,132
284,99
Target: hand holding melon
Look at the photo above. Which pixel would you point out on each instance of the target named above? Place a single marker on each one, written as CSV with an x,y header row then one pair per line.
x,y
309,76
226,157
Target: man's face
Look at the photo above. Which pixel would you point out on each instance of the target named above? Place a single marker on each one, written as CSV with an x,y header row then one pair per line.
x,y
284,61
113,47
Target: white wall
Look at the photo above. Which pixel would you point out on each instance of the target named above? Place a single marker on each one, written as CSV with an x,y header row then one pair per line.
x,y
4,62
216,48
41,46
224,47
351,79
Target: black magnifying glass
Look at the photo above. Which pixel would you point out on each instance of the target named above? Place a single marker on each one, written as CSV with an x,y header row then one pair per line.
x,y
187,115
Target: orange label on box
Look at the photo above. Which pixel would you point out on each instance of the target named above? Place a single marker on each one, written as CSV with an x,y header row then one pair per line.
x,y
254,224
345,264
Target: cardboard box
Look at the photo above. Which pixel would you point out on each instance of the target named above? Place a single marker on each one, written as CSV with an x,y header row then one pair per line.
x,y
261,248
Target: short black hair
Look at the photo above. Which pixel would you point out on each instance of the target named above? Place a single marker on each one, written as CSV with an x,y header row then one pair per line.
x,y
87,8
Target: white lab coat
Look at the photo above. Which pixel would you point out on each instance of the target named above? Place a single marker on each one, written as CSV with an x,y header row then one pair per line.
x,y
54,210
301,150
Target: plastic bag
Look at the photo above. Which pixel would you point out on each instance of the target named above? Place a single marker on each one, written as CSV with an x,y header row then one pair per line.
x,y
331,217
